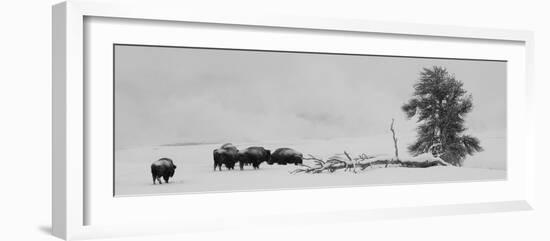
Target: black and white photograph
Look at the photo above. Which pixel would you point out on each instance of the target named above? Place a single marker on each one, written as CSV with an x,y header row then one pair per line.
x,y
193,120
275,120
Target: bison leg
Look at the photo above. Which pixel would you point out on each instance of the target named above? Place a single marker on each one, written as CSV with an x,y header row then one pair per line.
x,y
153,174
166,178
241,165
154,180
218,165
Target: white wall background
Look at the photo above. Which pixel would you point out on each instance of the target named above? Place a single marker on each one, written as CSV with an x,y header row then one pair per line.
x,y
25,133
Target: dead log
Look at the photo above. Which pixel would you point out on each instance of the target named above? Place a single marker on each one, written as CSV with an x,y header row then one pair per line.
x,y
361,162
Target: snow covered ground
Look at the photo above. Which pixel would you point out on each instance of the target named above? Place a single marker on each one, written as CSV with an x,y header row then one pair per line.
x,y
195,173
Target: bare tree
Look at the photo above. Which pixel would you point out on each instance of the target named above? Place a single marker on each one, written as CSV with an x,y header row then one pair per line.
x,y
394,139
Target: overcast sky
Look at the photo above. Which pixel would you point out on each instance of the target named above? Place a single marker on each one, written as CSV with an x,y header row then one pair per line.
x,y
167,95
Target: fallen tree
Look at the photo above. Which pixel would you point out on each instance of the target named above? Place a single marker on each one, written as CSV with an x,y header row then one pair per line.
x,y
361,163
365,161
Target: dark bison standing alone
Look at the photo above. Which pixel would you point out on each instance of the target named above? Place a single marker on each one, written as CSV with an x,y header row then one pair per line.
x,y
283,156
253,155
227,155
164,168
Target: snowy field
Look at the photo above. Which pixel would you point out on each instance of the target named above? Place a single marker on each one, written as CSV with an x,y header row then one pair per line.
x,y
195,173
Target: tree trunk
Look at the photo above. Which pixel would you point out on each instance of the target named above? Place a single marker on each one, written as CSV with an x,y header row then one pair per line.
x,y
394,140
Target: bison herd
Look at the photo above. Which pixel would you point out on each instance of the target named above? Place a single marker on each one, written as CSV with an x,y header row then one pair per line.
x,y
228,155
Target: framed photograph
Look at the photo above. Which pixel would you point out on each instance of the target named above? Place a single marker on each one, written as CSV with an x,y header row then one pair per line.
x,y
222,121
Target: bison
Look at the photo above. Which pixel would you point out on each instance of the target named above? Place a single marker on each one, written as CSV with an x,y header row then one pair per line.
x,y
225,155
253,155
164,168
283,156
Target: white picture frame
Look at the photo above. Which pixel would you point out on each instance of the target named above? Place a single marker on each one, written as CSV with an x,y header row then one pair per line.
x,y
71,189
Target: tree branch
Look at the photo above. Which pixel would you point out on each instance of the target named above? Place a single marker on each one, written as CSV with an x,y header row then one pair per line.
x,y
394,139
